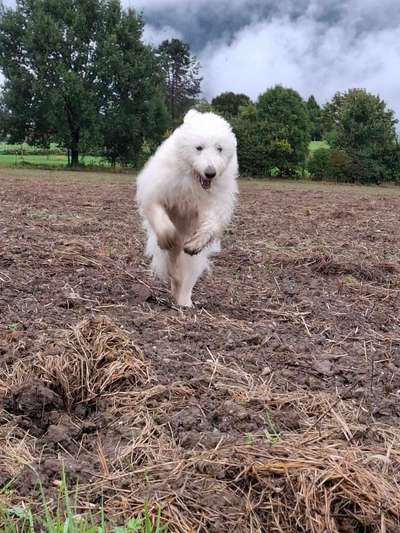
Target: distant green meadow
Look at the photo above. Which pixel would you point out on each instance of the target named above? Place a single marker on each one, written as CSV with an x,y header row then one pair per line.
x,y
49,160
14,155
315,145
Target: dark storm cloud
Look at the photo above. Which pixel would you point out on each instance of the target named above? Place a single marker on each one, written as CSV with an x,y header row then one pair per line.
x,y
202,21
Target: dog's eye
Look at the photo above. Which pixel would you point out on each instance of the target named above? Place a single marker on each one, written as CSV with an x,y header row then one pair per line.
x,y
219,148
199,148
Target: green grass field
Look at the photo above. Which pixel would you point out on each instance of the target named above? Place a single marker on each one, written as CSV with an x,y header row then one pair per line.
x,y
14,155
15,160
5,147
315,145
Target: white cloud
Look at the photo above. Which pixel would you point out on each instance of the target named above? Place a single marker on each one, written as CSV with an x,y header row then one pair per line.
x,y
307,55
155,36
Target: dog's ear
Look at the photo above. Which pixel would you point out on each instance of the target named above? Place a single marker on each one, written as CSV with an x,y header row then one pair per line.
x,y
190,115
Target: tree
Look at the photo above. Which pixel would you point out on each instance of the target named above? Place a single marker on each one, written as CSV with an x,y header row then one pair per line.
x,y
364,120
73,68
259,153
314,117
181,77
365,129
331,117
285,113
132,108
248,112
228,104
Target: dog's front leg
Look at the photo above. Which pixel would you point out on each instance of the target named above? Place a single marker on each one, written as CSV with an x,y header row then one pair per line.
x,y
174,270
209,229
162,225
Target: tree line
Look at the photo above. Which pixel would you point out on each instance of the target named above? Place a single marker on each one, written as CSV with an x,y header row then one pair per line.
x,y
274,134
78,74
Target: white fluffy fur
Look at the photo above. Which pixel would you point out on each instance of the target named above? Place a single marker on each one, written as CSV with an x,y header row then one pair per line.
x,y
185,221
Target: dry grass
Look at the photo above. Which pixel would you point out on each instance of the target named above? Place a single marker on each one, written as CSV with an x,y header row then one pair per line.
x,y
314,479
327,264
96,359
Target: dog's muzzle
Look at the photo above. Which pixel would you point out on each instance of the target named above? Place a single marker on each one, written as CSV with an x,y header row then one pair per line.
x,y
206,178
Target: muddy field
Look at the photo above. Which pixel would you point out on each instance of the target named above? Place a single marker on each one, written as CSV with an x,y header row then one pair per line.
x,y
273,405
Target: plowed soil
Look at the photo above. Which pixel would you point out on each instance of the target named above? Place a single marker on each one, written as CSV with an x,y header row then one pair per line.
x,y
293,347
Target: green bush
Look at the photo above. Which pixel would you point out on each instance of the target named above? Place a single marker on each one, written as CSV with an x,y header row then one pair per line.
x,y
340,165
259,153
320,164
330,164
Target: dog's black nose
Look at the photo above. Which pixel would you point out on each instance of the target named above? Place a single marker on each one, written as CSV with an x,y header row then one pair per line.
x,y
209,173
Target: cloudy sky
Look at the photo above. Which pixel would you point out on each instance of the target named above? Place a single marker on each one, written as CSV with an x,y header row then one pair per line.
x,y
314,46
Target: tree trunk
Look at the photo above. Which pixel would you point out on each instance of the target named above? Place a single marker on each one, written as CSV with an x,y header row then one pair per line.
x,y
74,157
75,149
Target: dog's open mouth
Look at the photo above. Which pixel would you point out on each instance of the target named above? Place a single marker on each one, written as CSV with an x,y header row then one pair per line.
x,y
204,181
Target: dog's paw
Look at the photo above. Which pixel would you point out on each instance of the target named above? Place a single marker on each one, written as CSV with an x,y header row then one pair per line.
x,y
192,251
195,244
185,301
168,238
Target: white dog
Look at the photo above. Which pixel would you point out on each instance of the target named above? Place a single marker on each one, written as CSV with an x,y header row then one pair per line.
x,y
186,194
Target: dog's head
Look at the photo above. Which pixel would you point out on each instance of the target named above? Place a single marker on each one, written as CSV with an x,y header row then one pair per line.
x,y
206,144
